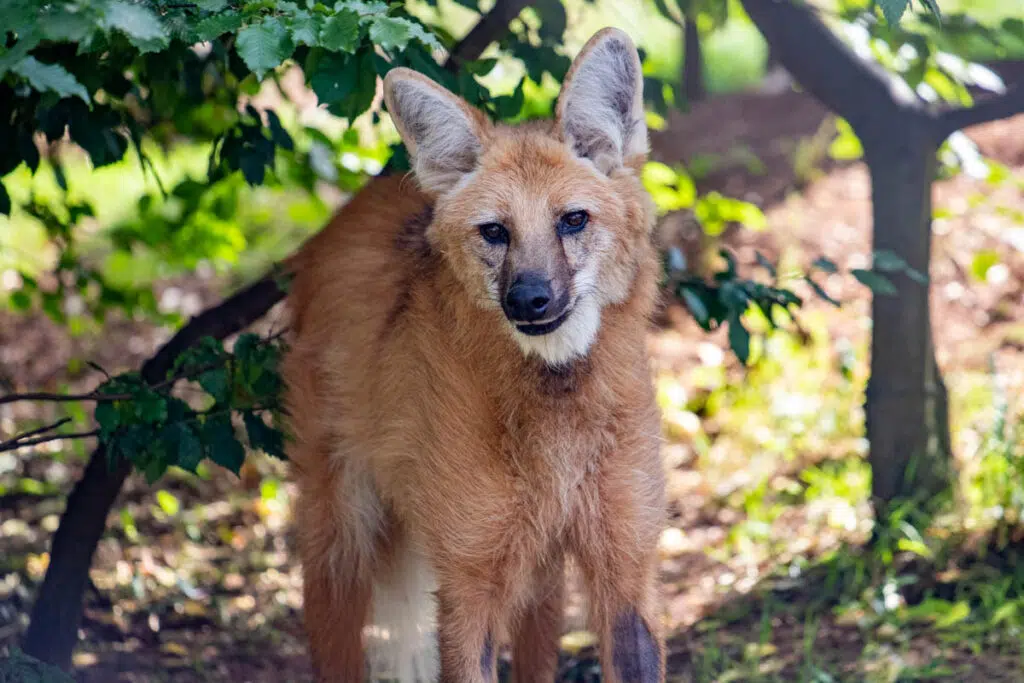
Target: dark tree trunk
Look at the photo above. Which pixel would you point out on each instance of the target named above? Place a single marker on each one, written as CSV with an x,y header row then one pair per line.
x,y
693,62
57,612
906,405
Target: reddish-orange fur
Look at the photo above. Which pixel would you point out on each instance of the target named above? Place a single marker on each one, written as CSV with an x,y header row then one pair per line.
x,y
418,420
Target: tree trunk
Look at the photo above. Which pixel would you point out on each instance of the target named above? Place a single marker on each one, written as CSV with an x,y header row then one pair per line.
x,y
906,405
57,612
693,62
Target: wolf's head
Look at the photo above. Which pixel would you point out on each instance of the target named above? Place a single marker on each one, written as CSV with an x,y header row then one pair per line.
x,y
546,223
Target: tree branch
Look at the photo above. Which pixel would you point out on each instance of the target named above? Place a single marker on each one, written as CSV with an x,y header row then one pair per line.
x,y
490,28
57,612
992,108
22,441
61,398
858,90
39,430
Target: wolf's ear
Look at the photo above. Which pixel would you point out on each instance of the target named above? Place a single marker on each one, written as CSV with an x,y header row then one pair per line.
x,y
601,107
441,131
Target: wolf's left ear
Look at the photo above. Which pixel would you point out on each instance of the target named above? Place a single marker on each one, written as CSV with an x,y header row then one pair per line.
x,y
601,106
440,130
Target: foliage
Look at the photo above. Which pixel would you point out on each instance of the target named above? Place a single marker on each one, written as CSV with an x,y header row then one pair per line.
x,y
154,429
726,299
120,76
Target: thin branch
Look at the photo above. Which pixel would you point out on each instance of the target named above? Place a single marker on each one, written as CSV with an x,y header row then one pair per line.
x,y
992,108
490,28
106,398
62,398
39,430
16,444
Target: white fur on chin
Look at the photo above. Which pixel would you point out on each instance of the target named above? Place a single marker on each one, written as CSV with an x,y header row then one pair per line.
x,y
571,340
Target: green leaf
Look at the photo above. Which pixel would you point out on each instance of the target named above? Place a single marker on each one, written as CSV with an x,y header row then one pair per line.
x,y
933,7
154,469
820,292
216,383
846,146
822,263
50,77
184,443
341,32
879,284
66,26
960,611
306,28
262,437
364,8
739,338
893,9
333,78
139,24
278,134
765,263
168,502
391,32
5,201
264,46
889,262
982,262
698,309
211,5
553,20
218,25
1005,611
221,443
108,418
151,407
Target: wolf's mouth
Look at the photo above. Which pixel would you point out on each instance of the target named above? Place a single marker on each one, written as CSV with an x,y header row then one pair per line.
x,y
536,330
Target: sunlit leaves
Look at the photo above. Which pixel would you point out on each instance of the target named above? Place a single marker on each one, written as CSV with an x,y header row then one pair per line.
x,y
727,297
264,46
893,9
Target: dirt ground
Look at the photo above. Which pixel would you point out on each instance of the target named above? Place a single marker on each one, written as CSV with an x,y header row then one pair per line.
x,y
214,596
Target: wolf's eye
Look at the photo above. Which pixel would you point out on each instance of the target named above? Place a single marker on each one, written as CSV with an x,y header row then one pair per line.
x,y
494,233
572,222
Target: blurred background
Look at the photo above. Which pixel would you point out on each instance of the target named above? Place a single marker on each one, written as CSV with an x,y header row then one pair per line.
x,y
157,158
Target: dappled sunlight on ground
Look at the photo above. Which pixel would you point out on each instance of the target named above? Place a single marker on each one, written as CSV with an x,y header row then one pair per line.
x,y
768,486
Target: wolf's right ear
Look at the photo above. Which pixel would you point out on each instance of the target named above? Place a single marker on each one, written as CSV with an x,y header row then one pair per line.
x,y
601,106
441,132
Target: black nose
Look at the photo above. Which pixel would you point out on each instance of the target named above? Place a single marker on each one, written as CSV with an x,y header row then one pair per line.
x,y
529,298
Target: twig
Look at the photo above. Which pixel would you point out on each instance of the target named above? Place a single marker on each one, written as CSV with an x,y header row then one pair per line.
x,y
106,398
62,398
39,430
16,444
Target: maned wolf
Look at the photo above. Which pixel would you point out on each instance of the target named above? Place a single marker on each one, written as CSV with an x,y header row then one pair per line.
x,y
469,392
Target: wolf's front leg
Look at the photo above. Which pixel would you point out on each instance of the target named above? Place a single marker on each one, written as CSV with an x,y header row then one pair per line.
x,y
616,544
466,632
